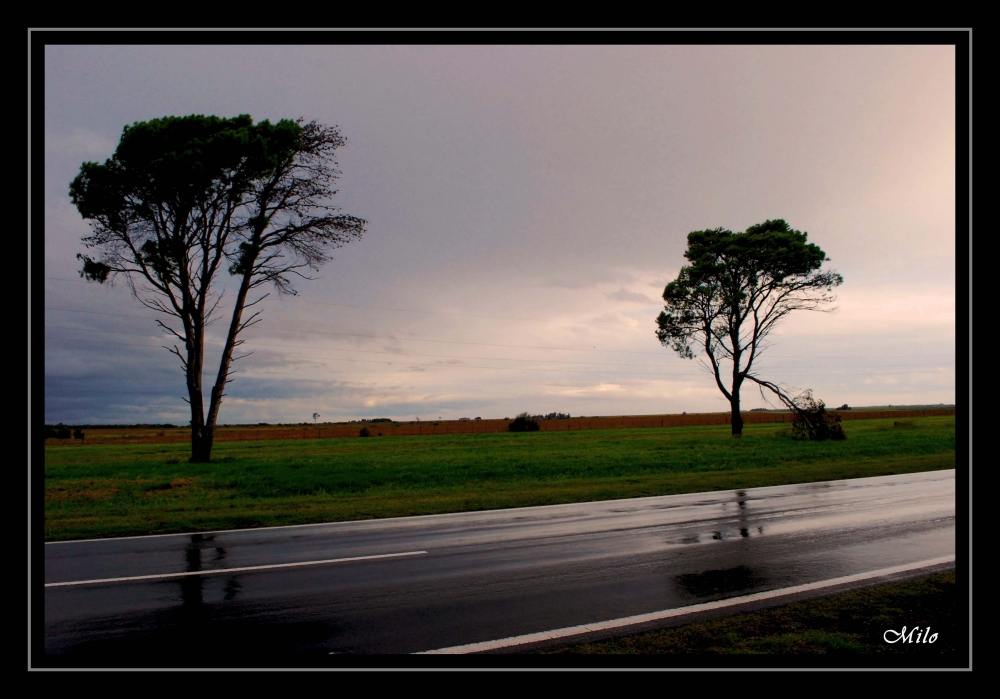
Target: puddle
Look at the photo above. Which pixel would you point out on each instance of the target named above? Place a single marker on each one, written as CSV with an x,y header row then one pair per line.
x,y
721,582
192,587
192,608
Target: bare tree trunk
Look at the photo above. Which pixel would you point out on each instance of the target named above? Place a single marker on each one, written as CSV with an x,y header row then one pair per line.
x,y
201,445
235,326
737,417
222,378
734,398
195,363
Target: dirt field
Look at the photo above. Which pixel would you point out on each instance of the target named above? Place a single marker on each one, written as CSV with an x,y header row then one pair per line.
x,y
390,429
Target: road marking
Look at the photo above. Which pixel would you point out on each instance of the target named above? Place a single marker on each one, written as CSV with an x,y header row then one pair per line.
x,y
221,571
679,611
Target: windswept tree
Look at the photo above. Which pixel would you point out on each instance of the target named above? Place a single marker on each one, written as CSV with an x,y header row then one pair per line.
x,y
184,200
735,290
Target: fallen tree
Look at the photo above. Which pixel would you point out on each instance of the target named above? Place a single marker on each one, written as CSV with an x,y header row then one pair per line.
x,y
811,419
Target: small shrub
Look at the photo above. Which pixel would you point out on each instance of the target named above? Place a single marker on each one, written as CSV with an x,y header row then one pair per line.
x,y
523,423
364,432
59,431
77,433
813,422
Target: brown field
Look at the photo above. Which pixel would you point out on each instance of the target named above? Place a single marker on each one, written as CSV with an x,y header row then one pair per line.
x,y
388,429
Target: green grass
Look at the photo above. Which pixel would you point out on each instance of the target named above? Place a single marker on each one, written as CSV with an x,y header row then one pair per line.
x,y
851,624
118,490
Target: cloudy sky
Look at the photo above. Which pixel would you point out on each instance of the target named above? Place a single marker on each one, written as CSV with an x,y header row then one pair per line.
x,y
526,207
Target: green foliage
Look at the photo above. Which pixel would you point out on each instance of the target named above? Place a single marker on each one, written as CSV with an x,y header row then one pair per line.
x,y
737,287
758,275
92,270
245,258
183,198
168,176
182,162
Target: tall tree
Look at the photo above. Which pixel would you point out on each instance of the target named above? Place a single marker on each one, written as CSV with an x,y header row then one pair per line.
x,y
737,287
185,198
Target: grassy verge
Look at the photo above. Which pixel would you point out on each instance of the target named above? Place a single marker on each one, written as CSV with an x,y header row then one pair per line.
x,y
118,490
852,623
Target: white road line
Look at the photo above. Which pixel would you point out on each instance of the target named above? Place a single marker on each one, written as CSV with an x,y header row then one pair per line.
x,y
221,571
679,611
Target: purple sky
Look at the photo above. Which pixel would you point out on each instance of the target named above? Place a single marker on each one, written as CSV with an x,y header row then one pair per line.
x,y
526,207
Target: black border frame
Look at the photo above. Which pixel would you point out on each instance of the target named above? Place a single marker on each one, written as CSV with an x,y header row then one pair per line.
x,y
959,38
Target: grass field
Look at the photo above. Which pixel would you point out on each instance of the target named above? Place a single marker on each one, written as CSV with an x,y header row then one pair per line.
x,y
117,490
849,624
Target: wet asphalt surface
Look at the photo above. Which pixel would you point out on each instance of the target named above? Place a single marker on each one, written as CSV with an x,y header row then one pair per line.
x,y
475,576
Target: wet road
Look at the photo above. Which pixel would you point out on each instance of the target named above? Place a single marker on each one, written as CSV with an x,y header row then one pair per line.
x,y
421,583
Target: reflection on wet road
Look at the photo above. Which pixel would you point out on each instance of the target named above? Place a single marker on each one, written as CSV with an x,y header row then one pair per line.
x,y
360,587
729,581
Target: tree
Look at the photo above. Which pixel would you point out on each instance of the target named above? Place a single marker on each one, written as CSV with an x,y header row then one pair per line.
x,y
183,199
737,287
812,421
523,423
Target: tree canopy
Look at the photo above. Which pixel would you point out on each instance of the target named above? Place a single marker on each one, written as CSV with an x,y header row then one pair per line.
x,y
183,197
737,287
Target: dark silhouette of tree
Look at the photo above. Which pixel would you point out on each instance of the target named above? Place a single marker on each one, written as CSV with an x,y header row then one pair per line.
x,y
813,422
737,287
185,198
811,419
59,431
523,423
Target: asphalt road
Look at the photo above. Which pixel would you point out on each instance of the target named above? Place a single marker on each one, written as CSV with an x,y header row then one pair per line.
x,y
424,583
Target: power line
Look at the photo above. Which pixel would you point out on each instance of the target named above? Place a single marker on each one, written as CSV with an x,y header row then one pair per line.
x,y
452,342
385,337
440,356
474,315
99,313
376,361
414,310
469,366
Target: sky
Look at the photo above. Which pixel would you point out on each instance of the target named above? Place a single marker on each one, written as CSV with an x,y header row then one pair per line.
x,y
526,206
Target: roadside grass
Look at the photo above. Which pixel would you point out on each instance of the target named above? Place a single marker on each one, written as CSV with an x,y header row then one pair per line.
x,y
852,623
117,490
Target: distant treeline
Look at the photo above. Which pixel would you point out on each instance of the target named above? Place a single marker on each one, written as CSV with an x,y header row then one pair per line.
x,y
143,425
62,431
53,431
